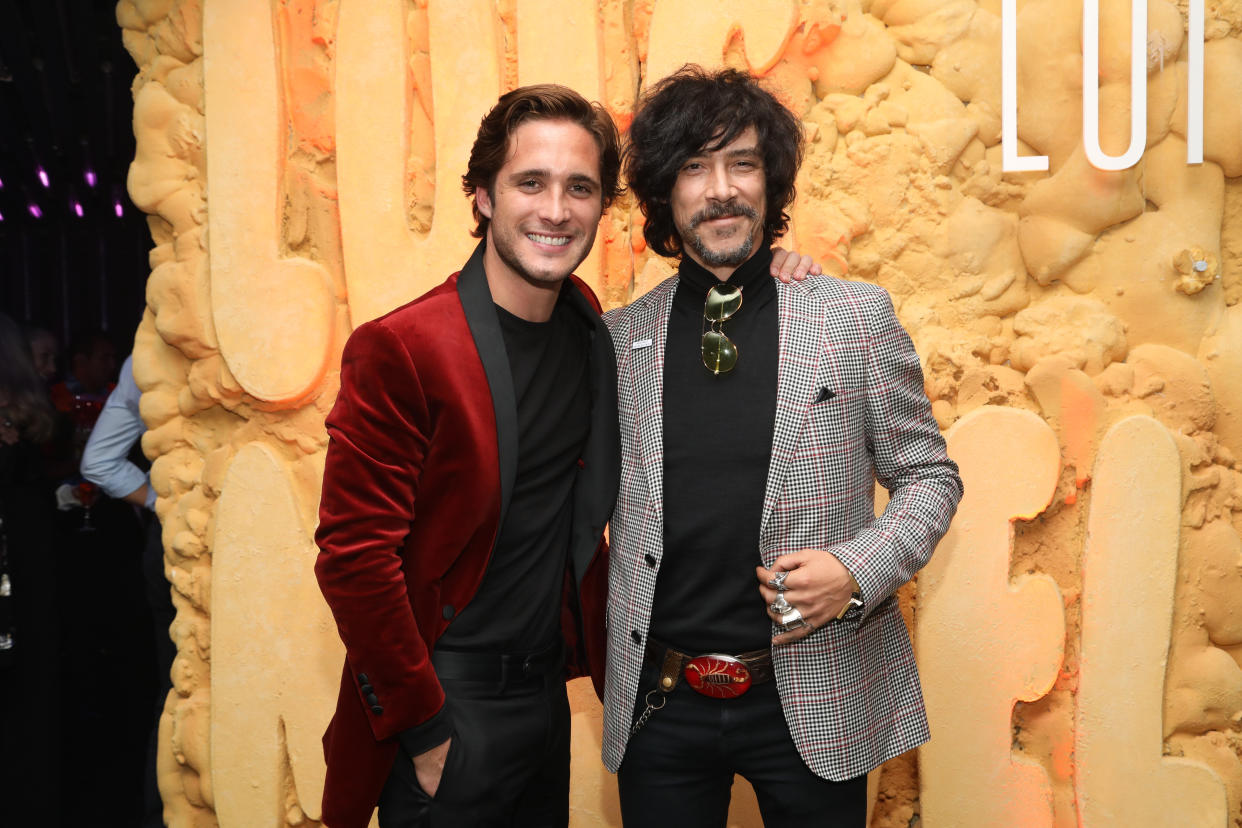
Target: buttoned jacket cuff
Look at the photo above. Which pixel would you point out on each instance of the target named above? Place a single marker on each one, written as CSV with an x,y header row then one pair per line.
x,y
435,731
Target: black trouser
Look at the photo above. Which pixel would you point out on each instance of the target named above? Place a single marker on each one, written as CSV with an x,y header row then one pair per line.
x,y
679,767
508,763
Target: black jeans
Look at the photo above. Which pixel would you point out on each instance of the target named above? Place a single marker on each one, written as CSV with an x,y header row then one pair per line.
x,y
679,768
508,763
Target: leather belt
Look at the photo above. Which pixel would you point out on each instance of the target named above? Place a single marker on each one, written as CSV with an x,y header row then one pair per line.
x,y
505,669
713,674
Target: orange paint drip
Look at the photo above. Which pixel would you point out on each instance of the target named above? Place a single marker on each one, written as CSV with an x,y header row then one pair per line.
x,y
1063,758
1080,420
308,100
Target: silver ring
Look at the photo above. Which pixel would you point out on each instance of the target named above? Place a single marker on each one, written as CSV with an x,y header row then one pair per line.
x,y
780,606
777,581
794,616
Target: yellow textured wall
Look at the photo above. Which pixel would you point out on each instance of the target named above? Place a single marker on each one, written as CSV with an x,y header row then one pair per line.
x,y
1080,629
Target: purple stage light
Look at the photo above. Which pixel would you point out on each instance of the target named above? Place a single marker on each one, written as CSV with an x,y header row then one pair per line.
x,y
1,183
77,209
43,179
90,178
118,209
1,216
34,210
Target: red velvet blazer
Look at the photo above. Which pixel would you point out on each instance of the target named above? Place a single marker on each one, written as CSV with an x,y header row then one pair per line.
x,y
419,471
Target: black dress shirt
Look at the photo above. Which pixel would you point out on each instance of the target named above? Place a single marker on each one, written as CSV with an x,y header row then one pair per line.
x,y
717,441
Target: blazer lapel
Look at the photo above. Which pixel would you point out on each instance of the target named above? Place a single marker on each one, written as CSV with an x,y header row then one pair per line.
x,y
801,348
649,334
595,492
476,301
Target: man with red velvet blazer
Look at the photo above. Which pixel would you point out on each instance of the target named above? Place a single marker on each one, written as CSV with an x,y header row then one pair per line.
x,y
471,469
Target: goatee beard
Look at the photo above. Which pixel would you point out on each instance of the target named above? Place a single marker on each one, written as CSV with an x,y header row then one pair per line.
x,y
731,257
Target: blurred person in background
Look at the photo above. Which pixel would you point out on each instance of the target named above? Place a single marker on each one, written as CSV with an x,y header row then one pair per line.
x,y
45,349
113,461
81,395
29,631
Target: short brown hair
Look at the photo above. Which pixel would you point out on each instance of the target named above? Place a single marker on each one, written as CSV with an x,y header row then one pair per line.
x,y
540,102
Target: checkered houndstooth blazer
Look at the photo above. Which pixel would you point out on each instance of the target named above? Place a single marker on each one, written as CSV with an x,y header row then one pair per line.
x,y
850,693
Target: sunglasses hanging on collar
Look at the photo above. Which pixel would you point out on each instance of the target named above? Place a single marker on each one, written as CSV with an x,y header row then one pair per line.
x,y
719,352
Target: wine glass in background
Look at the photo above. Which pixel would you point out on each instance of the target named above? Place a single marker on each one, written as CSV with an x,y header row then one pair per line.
x,y
87,493
86,409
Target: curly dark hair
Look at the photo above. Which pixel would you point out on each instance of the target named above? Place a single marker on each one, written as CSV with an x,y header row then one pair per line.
x,y
694,110
539,102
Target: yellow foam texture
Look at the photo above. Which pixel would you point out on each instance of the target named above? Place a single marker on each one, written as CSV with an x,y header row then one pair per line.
x,y
387,262
983,640
275,652
1129,569
272,314
552,21
765,26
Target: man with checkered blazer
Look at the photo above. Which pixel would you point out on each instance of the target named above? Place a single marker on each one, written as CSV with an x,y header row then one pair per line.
x,y
753,625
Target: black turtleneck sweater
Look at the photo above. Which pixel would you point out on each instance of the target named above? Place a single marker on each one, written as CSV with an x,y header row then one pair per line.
x,y
717,441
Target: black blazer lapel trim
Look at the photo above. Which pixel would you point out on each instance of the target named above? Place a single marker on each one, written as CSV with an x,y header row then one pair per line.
x,y
595,493
476,301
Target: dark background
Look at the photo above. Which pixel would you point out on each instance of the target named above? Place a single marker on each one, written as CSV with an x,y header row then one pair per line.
x,y
65,108
78,706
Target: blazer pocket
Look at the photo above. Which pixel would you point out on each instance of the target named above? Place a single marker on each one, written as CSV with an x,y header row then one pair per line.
x,y
828,397
840,417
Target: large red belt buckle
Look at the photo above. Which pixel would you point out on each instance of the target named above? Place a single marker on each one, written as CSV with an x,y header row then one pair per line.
x,y
718,676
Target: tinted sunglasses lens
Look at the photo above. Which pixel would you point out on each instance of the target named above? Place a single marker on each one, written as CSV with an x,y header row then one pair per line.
x,y
719,352
722,302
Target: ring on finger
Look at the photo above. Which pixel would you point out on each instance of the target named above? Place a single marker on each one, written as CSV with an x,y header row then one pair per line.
x,y
792,617
777,582
780,606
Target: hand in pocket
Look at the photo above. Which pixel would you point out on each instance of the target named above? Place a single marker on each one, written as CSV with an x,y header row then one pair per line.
x,y
429,767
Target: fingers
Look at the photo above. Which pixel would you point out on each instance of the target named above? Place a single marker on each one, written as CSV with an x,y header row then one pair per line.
x,y
783,273
788,266
790,636
792,560
779,254
791,267
769,592
805,265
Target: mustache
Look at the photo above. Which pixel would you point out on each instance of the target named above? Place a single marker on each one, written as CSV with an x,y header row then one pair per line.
x,y
723,209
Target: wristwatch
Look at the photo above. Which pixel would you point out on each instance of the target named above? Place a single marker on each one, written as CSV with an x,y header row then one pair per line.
x,y
854,606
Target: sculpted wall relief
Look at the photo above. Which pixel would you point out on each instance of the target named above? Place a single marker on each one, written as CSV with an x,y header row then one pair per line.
x,y
1079,630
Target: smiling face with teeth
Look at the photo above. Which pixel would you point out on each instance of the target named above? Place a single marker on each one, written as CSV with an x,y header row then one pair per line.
x,y
543,209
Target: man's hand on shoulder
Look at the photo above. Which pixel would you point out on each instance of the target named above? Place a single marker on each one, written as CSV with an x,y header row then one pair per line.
x,y
817,585
429,767
788,266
